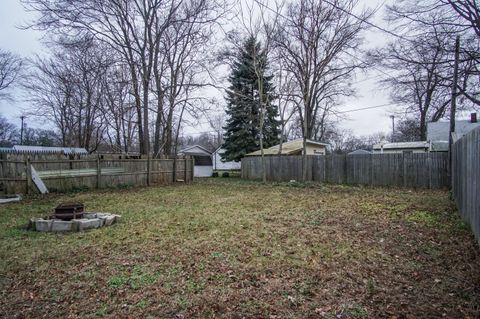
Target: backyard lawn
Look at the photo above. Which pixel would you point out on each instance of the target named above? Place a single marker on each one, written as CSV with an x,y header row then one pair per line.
x,y
236,249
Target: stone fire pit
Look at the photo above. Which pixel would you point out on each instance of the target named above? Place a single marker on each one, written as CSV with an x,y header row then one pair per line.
x,y
89,220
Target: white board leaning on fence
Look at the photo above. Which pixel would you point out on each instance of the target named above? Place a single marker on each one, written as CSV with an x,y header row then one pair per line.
x,y
38,181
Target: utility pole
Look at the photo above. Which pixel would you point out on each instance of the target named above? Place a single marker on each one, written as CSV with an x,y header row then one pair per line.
x,y
21,129
453,107
393,127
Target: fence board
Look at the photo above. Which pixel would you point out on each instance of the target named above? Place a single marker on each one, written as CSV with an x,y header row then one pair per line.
x,y
61,174
426,170
465,178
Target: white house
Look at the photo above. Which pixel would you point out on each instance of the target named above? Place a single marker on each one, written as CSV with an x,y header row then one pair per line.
x,y
203,160
437,137
438,131
220,165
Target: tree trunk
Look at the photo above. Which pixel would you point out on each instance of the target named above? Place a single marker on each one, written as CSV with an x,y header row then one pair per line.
x,y
423,126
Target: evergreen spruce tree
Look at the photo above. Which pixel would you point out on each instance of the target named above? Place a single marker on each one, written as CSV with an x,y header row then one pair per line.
x,y
243,104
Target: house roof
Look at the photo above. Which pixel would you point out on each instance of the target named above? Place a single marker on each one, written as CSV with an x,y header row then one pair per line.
x,y
45,149
359,152
195,150
288,148
401,145
438,131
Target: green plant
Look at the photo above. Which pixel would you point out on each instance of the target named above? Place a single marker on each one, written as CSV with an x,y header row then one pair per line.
x,y
142,304
102,310
117,281
294,183
138,278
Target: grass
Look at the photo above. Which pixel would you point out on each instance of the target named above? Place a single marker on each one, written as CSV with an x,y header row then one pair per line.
x,y
229,248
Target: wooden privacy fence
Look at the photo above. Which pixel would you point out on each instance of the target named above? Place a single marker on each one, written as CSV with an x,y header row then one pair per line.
x,y
427,170
466,178
61,174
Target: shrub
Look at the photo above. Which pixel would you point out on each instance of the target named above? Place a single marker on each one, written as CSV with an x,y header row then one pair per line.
x,y
215,174
225,174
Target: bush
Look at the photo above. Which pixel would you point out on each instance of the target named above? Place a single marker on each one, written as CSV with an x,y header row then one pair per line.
x,y
225,174
215,174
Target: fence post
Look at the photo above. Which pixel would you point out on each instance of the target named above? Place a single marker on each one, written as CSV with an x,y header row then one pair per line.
x,y
99,171
193,168
429,167
148,170
28,174
324,169
185,166
372,167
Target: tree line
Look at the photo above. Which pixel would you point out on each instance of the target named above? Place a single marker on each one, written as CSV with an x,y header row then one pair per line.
x,y
126,73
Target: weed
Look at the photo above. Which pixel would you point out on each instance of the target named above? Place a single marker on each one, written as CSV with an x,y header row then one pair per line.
x,y
142,304
138,278
102,310
117,281
195,286
294,183
370,286
425,218
182,302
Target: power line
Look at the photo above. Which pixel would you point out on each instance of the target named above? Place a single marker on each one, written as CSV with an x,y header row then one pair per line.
x,y
338,112
366,108
345,11
368,22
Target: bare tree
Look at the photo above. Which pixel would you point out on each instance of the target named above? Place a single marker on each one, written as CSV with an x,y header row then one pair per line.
x,y
9,134
469,10
144,34
343,141
10,66
417,76
67,89
118,110
216,123
286,101
441,21
317,41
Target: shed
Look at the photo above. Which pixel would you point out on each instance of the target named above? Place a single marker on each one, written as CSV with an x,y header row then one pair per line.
x,y
203,160
219,164
294,147
402,147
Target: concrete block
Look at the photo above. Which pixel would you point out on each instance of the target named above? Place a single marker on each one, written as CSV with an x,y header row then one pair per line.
x,y
43,225
63,226
91,220
32,223
90,215
109,220
84,224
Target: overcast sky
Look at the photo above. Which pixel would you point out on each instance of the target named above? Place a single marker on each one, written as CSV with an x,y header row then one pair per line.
x,y
27,42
